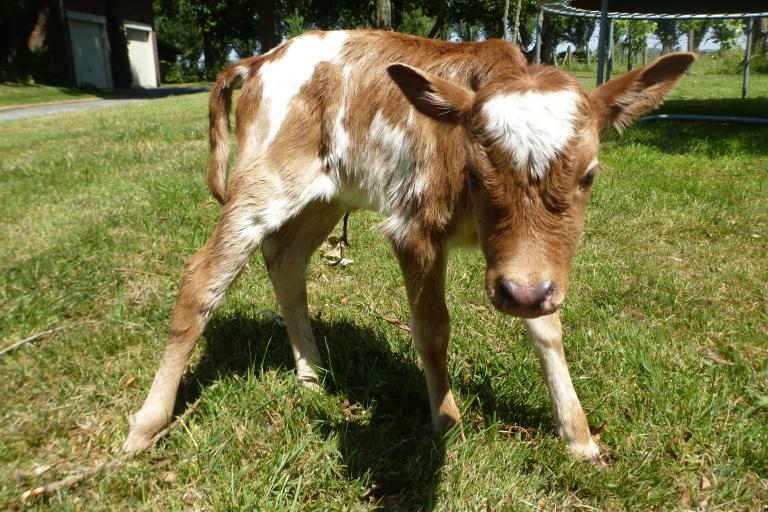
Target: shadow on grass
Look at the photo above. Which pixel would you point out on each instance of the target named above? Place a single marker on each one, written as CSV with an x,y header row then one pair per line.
x,y
394,450
711,139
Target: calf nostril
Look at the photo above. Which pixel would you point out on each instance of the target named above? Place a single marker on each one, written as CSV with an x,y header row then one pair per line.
x,y
527,296
508,290
547,287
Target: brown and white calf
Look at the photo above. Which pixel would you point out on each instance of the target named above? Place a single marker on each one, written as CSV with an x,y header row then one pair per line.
x,y
452,142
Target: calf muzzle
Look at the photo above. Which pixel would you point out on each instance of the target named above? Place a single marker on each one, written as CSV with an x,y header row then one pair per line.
x,y
525,300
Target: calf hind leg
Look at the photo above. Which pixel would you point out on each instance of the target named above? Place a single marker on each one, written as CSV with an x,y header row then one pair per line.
x,y
207,276
287,254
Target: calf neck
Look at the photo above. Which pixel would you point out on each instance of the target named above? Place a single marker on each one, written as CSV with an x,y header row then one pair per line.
x,y
451,142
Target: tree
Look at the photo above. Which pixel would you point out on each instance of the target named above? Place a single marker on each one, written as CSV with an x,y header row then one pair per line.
x,y
416,22
668,33
383,14
696,30
17,19
634,36
578,32
725,32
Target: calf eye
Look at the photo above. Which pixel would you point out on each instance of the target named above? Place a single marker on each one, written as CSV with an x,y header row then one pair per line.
x,y
588,178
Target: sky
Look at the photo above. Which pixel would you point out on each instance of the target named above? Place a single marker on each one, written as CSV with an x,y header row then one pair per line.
x,y
653,42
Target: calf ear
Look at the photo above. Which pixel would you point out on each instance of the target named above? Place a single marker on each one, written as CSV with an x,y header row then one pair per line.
x,y
626,98
430,94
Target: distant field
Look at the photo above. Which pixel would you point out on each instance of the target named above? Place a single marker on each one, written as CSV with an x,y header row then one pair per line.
x,y
666,332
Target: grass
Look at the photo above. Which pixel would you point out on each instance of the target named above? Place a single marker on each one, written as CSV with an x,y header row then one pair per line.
x,y
17,94
666,333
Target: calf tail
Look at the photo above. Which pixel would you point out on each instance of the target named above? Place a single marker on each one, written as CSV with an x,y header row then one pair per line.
x,y
219,106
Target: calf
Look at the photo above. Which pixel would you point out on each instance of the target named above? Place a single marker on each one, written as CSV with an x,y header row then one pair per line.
x,y
452,142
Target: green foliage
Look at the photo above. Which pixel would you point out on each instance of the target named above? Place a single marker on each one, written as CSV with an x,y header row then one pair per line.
x,y
294,24
176,23
759,63
416,22
633,34
725,32
699,29
668,32
578,31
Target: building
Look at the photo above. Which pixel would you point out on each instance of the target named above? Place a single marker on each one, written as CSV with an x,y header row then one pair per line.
x,y
105,44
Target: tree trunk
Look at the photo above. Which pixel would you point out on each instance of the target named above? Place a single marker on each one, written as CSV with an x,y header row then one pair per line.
x,y
268,34
505,20
210,52
516,27
384,14
548,42
438,26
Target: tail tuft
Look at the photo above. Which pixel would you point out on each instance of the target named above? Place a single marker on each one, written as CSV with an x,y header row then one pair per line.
x,y
219,105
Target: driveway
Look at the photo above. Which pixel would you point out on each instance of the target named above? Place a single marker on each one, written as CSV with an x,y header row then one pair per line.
x,y
77,106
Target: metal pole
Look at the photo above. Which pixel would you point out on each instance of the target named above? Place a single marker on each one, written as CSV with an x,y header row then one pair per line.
x,y
629,48
610,52
601,40
747,58
539,23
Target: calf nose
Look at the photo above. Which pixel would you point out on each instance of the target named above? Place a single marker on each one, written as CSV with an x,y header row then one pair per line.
x,y
528,296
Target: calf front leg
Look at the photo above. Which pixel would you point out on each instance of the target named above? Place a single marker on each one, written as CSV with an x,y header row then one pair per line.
x,y
425,284
546,334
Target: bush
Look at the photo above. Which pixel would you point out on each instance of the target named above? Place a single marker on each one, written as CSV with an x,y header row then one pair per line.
x,y
759,63
28,67
178,73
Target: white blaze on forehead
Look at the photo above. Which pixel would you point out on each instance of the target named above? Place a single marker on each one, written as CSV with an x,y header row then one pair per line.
x,y
533,126
282,78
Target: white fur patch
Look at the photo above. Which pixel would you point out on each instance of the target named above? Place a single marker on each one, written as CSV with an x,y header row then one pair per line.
x,y
282,79
533,126
242,71
390,175
340,141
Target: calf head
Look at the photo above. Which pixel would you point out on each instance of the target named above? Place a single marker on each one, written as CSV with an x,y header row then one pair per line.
x,y
531,144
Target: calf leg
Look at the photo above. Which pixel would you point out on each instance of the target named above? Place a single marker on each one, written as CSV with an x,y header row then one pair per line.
x,y
207,276
546,334
287,254
425,283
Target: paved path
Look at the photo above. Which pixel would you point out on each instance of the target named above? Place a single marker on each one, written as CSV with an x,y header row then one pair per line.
x,y
78,106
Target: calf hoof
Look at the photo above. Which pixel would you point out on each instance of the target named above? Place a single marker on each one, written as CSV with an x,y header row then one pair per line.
x,y
310,381
446,420
589,453
141,433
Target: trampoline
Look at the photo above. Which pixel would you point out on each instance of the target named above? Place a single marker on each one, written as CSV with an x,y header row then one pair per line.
x,y
654,10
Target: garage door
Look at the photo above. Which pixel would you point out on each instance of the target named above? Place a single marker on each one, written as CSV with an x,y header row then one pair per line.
x,y
90,50
141,53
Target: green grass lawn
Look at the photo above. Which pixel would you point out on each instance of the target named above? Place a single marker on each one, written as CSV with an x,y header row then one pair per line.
x,y
666,332
17,94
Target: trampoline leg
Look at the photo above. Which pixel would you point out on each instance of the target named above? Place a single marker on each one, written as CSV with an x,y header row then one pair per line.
x,y
601,40
747,58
